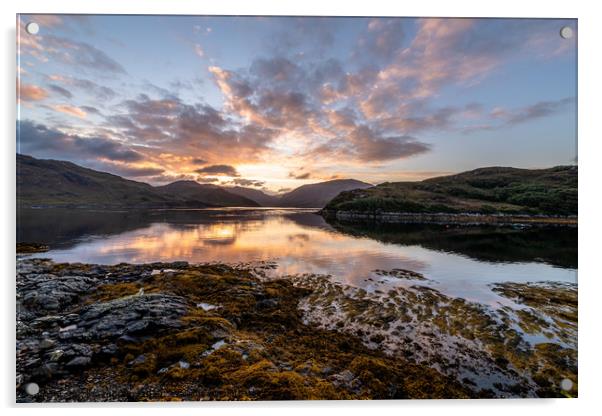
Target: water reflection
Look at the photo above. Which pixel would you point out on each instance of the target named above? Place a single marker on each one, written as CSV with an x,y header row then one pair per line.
x,y
460,262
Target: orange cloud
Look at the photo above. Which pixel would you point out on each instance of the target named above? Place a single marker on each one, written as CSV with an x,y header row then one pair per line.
x,y
30,92
71,110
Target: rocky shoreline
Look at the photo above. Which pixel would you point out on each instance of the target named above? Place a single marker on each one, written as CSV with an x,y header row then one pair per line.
x,y
179,331
474,219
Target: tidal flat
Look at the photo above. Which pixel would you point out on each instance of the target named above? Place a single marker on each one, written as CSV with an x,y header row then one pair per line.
x,y
215,331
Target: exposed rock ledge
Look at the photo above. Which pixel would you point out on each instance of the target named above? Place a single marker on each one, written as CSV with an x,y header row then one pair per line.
x,y
448,218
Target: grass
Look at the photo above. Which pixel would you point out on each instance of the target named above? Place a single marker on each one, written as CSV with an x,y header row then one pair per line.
x,y
484,191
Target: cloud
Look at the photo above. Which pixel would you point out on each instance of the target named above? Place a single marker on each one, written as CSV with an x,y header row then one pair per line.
x,y
375,100
300,175
131,171
198,49
225,170
60,90
382,39
70,52
302,36
535,111
186,129
70,110
370,146
82,54
30,92
90,109
202,179
292,98
248,182
100,92
41,141
499,118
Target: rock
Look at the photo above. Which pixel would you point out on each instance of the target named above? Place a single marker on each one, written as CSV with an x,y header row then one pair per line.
x,y
217,345
47,321
45,371
79,349
137,326
56,355
141,359
44,293
79,362
68,328
220,333
267,303
31,248
206,306
109,350
47,343
130,315
129,339
342,379
326,370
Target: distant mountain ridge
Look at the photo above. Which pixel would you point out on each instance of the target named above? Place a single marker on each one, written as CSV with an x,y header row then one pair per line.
x,y
213,194
317,195
54,183
256,195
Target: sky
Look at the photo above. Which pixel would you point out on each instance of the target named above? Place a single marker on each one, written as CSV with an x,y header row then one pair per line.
x,y
278,102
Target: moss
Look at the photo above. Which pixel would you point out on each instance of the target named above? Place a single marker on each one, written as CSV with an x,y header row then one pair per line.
x,y
145,368
26,248
109,292
531,323
256,346
471,337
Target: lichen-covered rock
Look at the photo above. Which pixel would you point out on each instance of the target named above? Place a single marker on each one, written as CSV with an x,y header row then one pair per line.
x,y
42,294
130,315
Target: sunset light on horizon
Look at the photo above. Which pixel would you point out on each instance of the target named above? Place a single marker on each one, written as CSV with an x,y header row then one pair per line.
x,y
273,103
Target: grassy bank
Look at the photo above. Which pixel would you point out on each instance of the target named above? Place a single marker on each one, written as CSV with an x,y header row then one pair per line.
x,y
489,192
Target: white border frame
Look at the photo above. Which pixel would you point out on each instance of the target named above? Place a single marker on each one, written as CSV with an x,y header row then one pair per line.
x,y
589,152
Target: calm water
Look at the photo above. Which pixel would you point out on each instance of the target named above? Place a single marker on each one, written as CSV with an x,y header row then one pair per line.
x,y
458,261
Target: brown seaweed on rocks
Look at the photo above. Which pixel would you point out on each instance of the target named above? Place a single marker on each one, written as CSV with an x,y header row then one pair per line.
x,y
524,351
137,333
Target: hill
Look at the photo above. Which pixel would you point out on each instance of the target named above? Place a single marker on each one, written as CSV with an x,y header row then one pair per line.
x,y
58,183
207,193
493,190
256,195
317,195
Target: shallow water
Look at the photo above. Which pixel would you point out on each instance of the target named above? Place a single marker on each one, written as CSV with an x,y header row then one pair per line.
x,y
458,261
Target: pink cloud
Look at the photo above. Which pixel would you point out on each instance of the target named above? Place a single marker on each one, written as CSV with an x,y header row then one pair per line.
x,y
70,110
30,92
